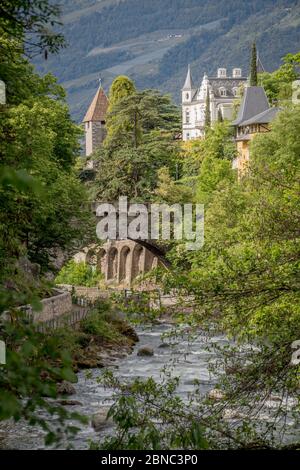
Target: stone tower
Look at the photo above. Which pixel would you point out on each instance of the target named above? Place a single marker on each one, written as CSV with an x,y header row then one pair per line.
x,y
94,122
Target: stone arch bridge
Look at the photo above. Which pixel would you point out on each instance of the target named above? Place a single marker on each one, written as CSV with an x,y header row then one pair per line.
x,y
120,261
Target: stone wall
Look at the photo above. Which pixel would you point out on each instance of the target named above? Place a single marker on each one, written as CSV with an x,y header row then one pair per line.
x,y
53,307
91,293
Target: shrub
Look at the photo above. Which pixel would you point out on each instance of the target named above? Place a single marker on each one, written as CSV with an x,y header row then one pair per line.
x,y
78,274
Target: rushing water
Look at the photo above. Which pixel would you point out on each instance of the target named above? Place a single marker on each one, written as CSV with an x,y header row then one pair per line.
x,y
191,362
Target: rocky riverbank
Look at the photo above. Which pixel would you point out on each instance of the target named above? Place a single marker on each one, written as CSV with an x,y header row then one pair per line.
x,y
100,340
103,339
98,351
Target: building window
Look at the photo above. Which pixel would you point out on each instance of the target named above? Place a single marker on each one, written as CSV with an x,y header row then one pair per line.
x,y
188,136
235,91
187,96
187,117
222,91
221,73
237,73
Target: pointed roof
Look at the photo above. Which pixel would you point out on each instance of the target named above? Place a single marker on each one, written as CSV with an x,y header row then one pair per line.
x,y
263,118
188,84
98,107
254,102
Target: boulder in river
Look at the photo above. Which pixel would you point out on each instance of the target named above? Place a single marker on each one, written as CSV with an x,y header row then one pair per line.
x,y
65,388
145,351
232,414
100,419
70,402
216,394
164,345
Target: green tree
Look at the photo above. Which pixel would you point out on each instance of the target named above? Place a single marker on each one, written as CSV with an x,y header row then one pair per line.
x,y
216,152
78,274
170,191
278,84
133,117
253,66
121,88
207,120
42,210
245,281
248,266
134,152
38,137
26,25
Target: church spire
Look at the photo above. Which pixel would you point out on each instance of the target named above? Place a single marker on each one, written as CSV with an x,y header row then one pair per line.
x,y
188,84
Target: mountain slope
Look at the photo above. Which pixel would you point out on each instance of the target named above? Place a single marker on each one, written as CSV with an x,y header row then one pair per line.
x,y
153,41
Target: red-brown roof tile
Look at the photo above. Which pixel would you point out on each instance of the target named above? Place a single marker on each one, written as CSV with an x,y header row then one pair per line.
x,y
98,107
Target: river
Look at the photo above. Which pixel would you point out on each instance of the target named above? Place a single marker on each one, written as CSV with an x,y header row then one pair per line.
x,y
188,360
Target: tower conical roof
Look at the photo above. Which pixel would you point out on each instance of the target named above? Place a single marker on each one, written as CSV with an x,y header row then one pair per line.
x,y
98,107
188,84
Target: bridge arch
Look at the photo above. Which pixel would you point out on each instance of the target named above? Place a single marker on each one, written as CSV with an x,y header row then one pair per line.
x,y
91,256
137,266
102,261
112,264
125,264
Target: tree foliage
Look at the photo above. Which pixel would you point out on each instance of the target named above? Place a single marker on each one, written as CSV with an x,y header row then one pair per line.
x,y
253,66
78,274
141,130
43,210
278,84
207,119
27,24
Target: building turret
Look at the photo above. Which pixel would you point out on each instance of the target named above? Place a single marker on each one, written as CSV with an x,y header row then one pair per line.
x,y
188,89
94,122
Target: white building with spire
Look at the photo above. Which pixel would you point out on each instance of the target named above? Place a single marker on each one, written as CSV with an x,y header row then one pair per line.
x,y
223,90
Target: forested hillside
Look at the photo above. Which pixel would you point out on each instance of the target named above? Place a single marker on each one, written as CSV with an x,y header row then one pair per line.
x,y
153,41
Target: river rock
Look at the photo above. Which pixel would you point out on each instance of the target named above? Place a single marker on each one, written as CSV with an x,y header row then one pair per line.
x,y
65,388
145,351
164,345
232,414
89,362
216,394
128,331
100,419
276,398
70,402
